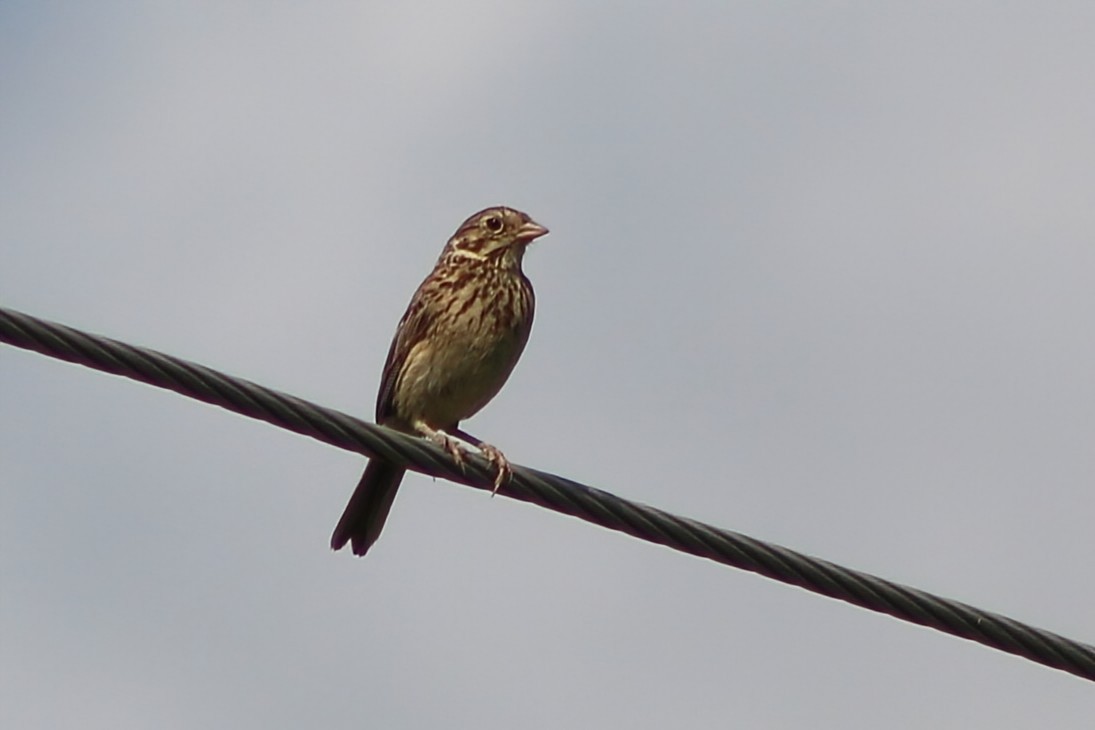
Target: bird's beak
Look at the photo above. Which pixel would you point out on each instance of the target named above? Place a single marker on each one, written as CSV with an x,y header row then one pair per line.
x,y
530,231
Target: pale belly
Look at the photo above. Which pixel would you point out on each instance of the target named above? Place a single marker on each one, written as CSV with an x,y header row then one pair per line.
x,y
443,386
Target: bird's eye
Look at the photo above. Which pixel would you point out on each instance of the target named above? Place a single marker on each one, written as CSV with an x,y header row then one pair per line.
x,y
493,223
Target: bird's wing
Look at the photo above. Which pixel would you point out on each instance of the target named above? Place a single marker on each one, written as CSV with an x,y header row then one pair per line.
x,y
412,329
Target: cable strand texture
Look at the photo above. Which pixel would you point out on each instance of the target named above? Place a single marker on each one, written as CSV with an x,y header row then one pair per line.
x,y
550,491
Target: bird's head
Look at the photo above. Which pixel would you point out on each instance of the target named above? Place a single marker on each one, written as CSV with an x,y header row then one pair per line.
x,y
497,235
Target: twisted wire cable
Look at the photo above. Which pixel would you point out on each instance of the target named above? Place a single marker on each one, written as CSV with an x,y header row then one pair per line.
x,y
551,491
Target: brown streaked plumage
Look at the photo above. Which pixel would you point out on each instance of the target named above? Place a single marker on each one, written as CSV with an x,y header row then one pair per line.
x,y
453,350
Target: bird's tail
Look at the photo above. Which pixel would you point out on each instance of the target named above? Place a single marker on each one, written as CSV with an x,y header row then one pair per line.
x,y
368,507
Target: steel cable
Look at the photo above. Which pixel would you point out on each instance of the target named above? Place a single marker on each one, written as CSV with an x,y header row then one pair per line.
x,y
551,491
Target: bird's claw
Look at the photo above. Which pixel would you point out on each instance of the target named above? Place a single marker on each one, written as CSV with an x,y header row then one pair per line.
x,y
451,446
501,464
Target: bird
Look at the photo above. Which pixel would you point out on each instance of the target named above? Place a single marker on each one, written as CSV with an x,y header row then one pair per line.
x,y
453,350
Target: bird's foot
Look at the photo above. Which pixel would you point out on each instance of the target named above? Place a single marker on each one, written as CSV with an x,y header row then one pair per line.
x,y
501,464
451,446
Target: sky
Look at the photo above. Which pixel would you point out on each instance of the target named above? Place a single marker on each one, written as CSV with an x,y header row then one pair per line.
x,y
822,273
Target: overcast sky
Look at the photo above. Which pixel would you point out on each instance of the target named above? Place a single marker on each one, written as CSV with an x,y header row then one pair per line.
x,y
819,273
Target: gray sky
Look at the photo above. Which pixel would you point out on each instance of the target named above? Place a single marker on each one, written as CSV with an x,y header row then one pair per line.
x,y
818,273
